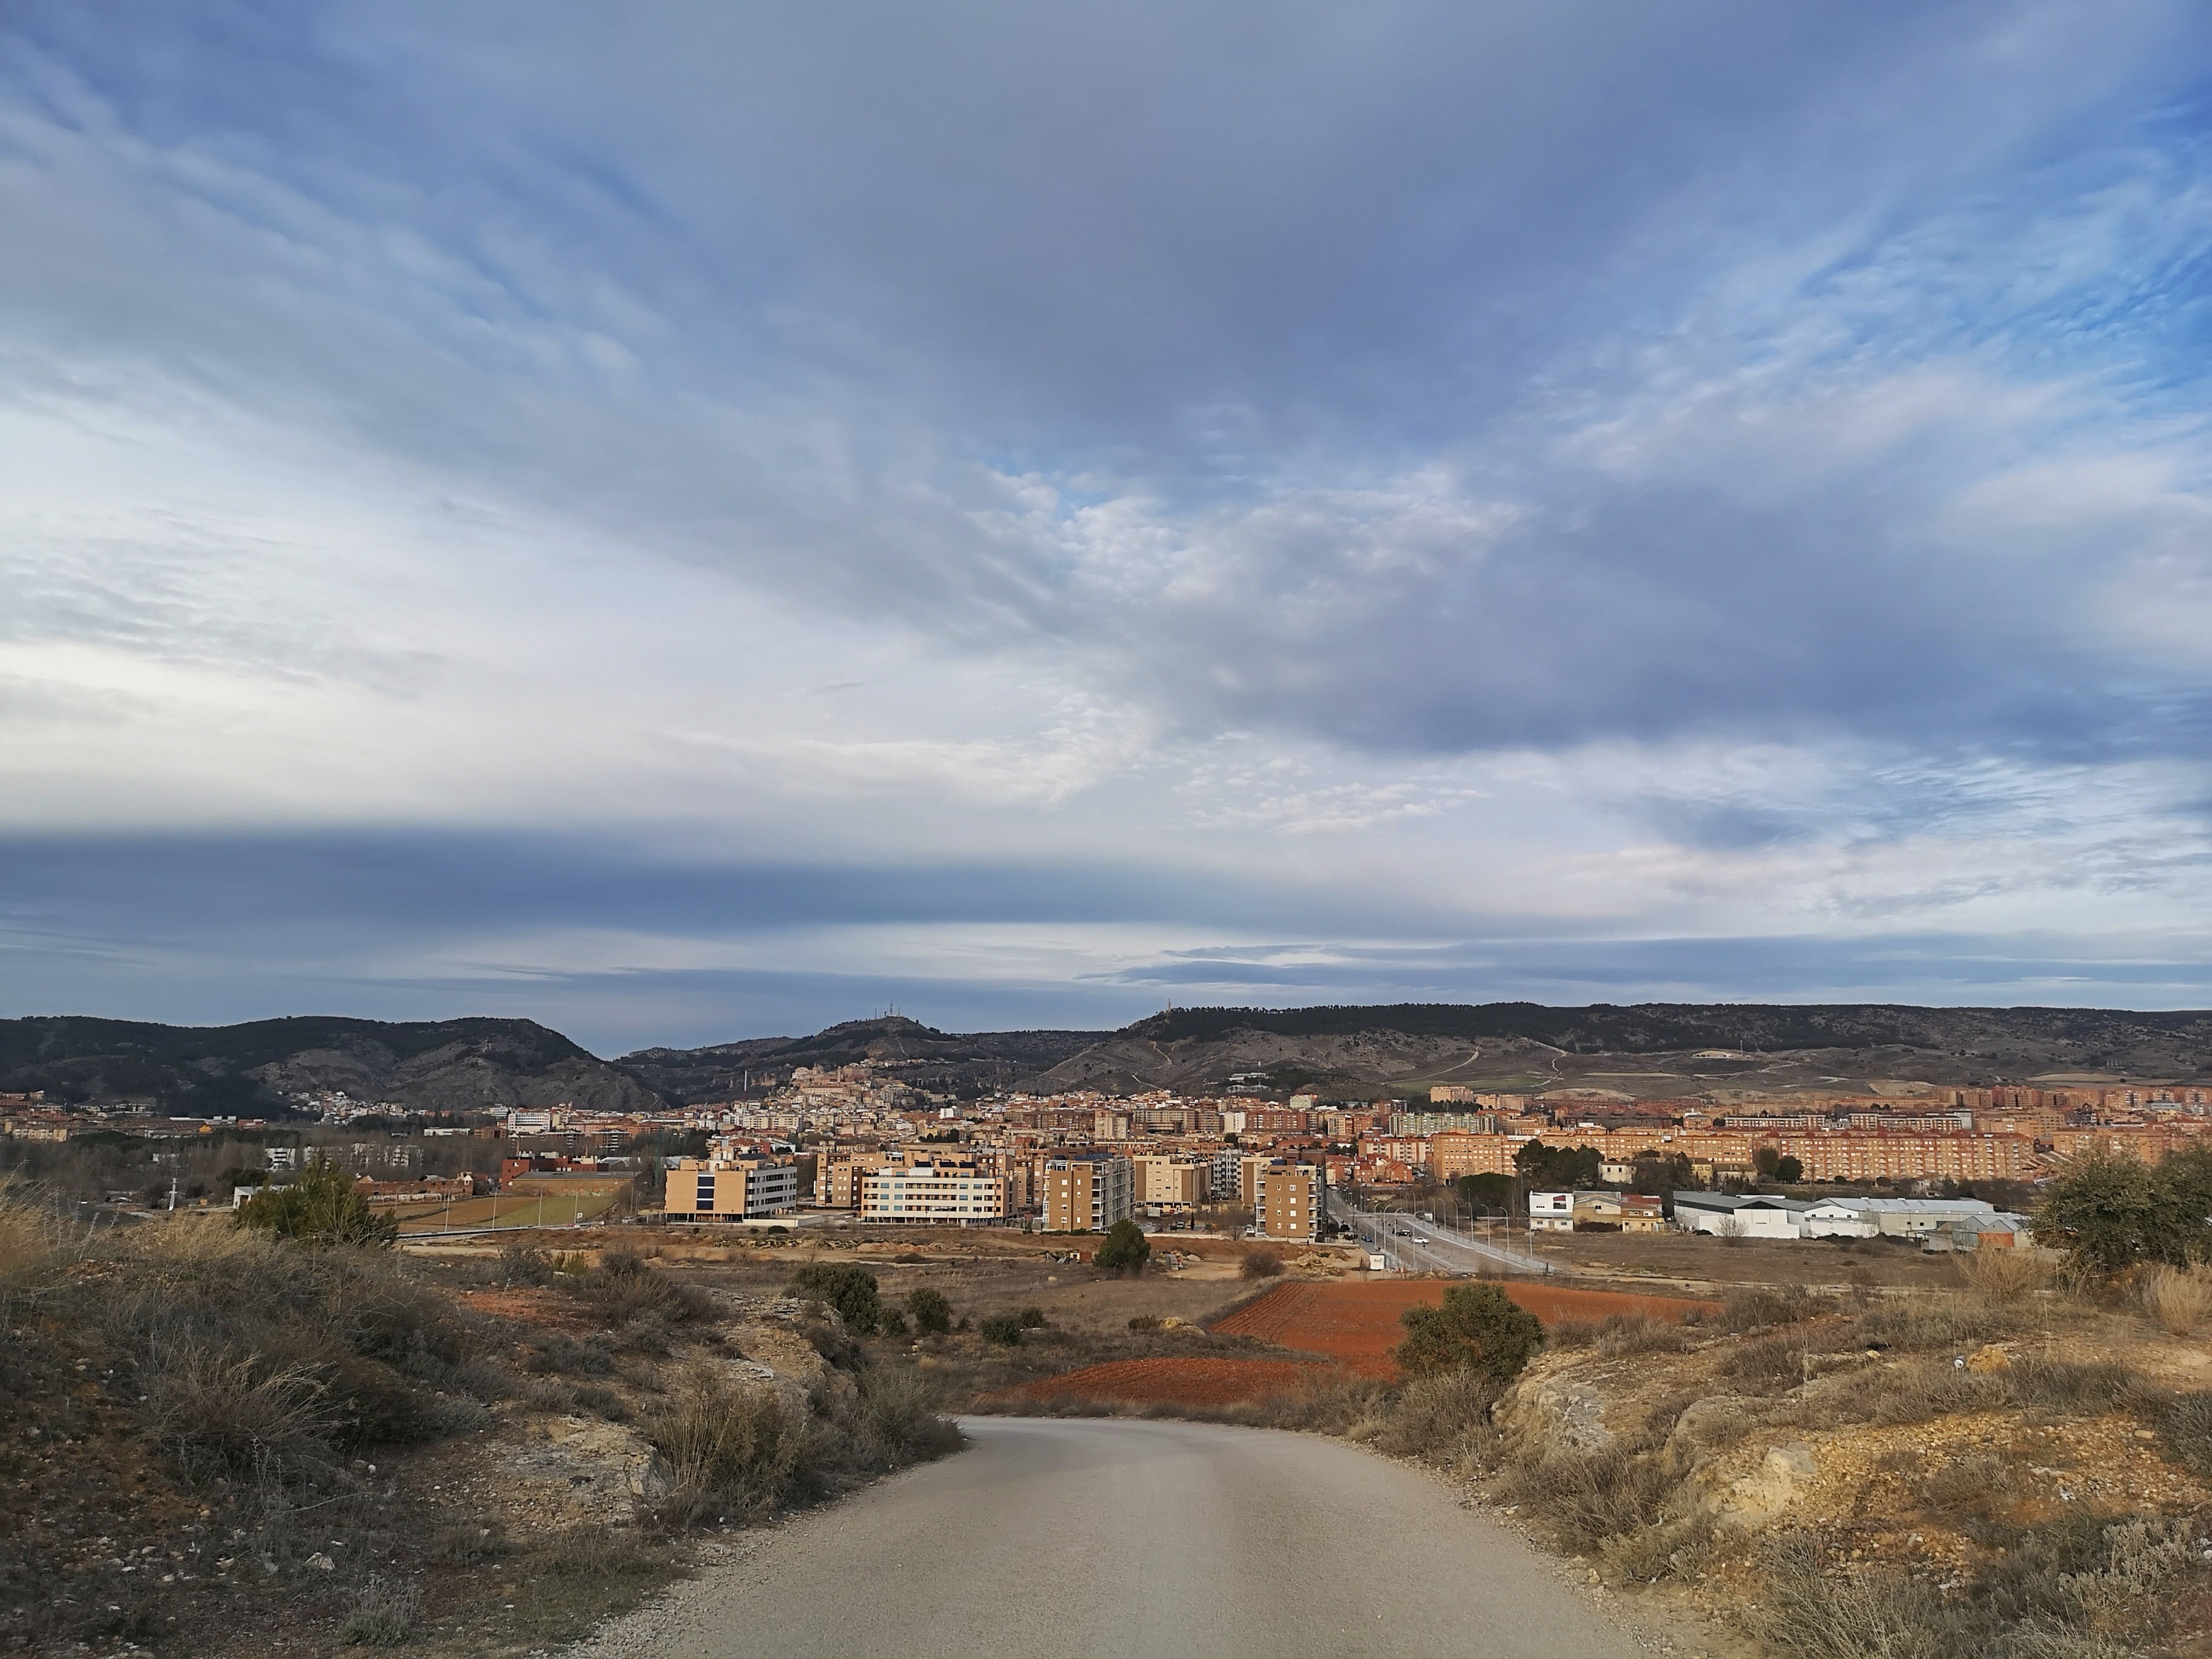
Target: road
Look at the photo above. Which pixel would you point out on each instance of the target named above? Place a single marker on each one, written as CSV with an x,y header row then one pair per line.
x,y
1447,1249
1071,1537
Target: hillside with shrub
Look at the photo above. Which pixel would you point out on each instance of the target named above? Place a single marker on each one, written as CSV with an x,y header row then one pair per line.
x,y
230,1439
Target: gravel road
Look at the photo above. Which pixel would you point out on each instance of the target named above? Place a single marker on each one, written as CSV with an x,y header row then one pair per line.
x,y
1051,1538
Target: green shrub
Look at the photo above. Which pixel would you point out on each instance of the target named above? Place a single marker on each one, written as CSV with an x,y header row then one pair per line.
x,y
2109,1211
1032,1319
1478,1327
1003,1329
933,1314
848,1289
321,1207
1125,1248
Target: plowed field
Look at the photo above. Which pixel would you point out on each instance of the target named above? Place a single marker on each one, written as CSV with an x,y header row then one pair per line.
x,y
1174,1382
1357,1323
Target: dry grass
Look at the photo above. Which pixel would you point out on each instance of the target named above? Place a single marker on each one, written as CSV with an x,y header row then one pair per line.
x,y
2006,1276
2177,1299
383,1615
731,1449
2086,1590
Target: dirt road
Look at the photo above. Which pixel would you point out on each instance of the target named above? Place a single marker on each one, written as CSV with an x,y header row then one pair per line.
x,y
1055,1539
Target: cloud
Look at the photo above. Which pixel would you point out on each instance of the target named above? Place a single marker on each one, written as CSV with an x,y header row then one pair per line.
x,y
1421,473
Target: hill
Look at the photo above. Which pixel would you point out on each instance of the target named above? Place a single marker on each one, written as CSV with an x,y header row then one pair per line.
x,y
440,1066
1646,1050
915,1053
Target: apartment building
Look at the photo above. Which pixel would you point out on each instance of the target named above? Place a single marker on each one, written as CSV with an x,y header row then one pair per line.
x,y
837,1176
942,1191
1287,1202
1171,1181
729,1189
1087,1192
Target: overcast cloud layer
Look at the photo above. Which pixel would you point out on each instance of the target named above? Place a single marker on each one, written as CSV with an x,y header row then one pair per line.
x,y
687,522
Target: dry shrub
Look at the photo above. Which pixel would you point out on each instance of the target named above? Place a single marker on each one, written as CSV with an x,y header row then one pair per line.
x,y
1621,1334
2005,1276
2177,1299
383,1615
730,1450
35,1246
1940,1319
2083,1589
1586,1498
2185,1425
1770,1362
1752,1307
1261,1264
1443,1417
217,1417
891,1420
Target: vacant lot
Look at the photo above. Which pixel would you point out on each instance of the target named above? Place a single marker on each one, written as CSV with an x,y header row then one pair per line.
x,y
1694,1258
527,1205
1357,1323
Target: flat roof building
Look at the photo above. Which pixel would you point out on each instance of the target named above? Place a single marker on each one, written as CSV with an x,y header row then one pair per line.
x,y
1087,1192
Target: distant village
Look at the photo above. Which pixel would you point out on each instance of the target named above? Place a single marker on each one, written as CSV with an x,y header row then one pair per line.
x,y
858,1139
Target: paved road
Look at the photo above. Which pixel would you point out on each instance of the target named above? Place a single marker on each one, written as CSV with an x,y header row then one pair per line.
x,y
1073,1538
1448,1249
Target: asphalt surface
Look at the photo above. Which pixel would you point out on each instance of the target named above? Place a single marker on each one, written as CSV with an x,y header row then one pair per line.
x,y
1447,1251
1072,1538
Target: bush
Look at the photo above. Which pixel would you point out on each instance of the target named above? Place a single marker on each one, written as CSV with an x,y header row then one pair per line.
x,y
848,1289
1444,1416
729,1450
1261,1264
933,1314
1478,1327
321,1207
1003,1329
2005,1276
383,1615
2109,1212
1032,1319
1125,1248
2177,1300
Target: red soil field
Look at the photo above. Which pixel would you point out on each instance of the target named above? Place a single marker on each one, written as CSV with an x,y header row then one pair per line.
x,y
1356,1322
1174,1382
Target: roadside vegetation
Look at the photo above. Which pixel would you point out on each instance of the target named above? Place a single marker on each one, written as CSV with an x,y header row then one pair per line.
x,y
281,1434
2011,1457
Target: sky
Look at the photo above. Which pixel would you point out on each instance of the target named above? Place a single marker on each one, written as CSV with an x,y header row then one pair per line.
x,y
697,521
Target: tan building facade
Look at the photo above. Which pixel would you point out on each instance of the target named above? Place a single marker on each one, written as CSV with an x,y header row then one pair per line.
x,y
1174,1183
729,1189
1288,1205
935,1193
1087,1192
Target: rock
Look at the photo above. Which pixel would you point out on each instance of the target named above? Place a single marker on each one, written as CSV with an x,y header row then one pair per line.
x,y
1546,1413
321,1563
591,1471
1753,1500
1988,1358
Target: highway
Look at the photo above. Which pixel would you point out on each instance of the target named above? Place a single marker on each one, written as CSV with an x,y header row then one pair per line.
x,y
1444,1249
1104,1538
